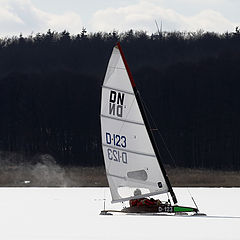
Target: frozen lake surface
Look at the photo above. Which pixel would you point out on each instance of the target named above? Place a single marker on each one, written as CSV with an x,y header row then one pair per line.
x,y
73,213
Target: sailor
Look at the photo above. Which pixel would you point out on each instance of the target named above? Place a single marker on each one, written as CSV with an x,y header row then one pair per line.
x,y
143,201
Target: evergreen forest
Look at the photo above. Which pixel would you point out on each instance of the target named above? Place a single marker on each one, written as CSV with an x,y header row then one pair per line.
x,y
50,90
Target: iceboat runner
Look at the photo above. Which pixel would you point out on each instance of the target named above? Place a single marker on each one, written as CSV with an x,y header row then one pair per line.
x,y
131,156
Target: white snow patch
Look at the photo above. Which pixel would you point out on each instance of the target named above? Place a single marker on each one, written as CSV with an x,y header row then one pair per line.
x,y
73,213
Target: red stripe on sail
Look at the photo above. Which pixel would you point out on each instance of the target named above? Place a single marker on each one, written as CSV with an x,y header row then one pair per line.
x,y
126,65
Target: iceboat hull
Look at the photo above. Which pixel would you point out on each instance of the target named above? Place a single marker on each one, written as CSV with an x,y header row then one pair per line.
x,y
156,209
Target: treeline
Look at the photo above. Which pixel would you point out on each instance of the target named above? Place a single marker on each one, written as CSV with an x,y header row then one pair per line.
x,y
50,94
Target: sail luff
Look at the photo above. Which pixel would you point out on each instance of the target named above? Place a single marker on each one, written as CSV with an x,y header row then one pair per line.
x,y
126,65
146,122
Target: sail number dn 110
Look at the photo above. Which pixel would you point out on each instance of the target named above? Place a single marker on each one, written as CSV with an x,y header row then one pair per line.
x,y
118,141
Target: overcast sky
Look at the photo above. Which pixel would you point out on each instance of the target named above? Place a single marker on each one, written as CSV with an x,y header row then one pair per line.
x,y
33,16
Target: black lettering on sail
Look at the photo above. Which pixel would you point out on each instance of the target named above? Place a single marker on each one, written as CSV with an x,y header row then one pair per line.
x,y
113,96
120,98
112,108
116,103
119,110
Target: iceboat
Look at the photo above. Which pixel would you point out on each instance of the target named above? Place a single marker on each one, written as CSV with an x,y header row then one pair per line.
x,y
131,156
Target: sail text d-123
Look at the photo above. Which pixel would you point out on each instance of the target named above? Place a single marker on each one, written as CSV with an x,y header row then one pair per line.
x,y
117,141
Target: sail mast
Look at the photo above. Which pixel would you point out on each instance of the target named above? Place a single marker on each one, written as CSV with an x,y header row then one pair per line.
x,y
142,110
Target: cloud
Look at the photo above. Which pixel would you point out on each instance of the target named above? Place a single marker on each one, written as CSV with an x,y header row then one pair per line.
x,y
141,16
21,16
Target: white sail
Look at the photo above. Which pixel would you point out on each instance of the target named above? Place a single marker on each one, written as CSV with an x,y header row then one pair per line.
x,y
129,156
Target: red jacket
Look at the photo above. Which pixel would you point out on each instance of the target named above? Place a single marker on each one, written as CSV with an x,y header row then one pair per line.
x,y
142,202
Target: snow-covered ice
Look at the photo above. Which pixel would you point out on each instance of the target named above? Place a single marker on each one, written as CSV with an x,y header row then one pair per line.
x,y
73,213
